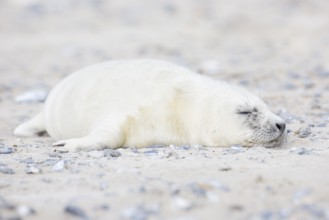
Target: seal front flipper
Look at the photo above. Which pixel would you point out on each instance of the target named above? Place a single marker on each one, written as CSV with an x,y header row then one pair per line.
x,y
33,127
100,138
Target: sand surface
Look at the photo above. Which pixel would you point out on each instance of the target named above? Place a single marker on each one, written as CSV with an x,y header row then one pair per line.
x,y
277,49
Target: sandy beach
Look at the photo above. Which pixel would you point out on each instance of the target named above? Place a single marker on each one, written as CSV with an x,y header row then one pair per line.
x,y
277,49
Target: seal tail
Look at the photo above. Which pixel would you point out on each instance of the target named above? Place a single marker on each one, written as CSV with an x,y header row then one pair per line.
x,y
33,127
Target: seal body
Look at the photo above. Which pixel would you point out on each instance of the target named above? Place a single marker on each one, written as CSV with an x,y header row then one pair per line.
x,y
145,102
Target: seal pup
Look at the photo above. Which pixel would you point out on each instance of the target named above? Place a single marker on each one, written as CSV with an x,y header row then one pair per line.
x,y
145,102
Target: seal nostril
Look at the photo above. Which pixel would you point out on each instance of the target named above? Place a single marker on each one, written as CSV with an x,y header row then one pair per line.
x,y
281,127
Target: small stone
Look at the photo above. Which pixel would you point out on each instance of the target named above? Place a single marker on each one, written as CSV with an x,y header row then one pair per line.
x,y
104,207
289,118
111,153
184,147
321,125
218,185
140,212
300,194
315,211
59,166
103,186
4,204
212,197
134,150
75,211
95,154
152,152
156,146
33,170
37,95
5,149
267,215
322,71
308,84
199,147
210,67
28,160
198,189
225,168
24,211
50,162
55,155
294,75
234,149
6,170
47,180
304,132
236,207
289,86
182,203
301,151
172,154
134,214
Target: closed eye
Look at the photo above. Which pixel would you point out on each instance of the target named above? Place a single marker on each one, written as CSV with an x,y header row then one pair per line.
x,y
244,112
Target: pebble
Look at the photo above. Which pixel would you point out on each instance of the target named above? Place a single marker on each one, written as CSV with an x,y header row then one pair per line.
x,y
289,118
33,96
289,86
236,207
55,154
315,211
24,210
212,197
59,166
225,168
234,149
33,170
308,84
140,212
5,149
210,67
152,152
50,162
184,147
104,207
198,189
4,204
301,151
172,154
6,170
96,154
75,211
156,146
322,72
300,194
182,203
111,153
218,185
267,215
28,160
304,132
321,125
199,147
103,186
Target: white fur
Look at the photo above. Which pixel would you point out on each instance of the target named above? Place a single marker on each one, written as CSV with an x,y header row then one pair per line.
x,y
143,102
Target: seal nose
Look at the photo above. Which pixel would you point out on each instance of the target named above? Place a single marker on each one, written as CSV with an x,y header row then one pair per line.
x,y
281,126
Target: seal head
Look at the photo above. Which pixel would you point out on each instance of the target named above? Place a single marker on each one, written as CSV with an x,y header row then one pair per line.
x,y
249,121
